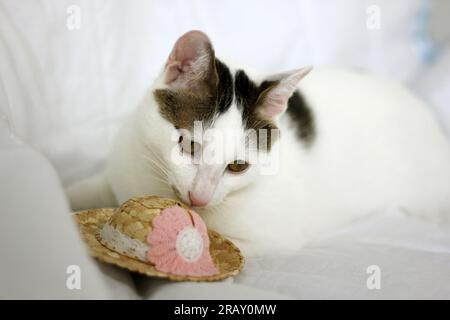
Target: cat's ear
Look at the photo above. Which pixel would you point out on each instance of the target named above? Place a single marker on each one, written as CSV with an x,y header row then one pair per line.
x,y
191,62
275,98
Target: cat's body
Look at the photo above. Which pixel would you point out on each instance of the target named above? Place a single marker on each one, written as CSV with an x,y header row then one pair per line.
x,y
370,145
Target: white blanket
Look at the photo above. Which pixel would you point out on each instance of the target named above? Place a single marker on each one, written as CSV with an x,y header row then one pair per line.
x,y
412,257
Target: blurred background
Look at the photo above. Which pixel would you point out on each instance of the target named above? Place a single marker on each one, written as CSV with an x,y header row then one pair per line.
x,y
71,70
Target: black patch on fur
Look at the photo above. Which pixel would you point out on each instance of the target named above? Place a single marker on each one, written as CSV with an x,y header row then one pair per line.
x,y
249,97
225,88
246,92
300,113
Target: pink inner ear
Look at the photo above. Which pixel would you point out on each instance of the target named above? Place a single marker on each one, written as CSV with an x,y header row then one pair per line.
x,y
277,98
275,103
187,51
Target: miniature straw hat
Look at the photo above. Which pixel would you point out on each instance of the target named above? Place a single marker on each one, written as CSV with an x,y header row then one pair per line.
x,y
159,237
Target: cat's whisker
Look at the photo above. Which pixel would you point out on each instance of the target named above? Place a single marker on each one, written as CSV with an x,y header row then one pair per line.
x,y
159,175
158,165
154,166
152,151
158,159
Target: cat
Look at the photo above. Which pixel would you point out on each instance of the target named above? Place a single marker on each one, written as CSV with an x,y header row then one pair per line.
x,y
335,146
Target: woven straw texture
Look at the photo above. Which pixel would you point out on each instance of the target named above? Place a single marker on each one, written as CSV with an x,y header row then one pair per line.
x,y
134,219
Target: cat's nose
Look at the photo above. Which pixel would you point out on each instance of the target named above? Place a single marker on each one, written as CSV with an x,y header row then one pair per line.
x,y
197,201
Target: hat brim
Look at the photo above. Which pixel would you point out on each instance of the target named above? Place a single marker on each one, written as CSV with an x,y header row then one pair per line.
x,y
226,256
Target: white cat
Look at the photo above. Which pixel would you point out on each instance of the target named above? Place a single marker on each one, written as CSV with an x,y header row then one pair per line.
x,y
349,145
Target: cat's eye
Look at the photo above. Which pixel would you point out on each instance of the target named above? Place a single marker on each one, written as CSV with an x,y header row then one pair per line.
x,y
191,147
237,166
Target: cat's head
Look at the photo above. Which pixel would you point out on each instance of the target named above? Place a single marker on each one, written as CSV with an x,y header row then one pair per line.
x,y
213,124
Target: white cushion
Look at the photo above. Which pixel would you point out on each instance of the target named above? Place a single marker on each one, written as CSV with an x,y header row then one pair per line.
x,y
38,238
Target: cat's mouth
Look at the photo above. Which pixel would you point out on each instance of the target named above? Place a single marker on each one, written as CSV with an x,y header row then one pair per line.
x,y
187,200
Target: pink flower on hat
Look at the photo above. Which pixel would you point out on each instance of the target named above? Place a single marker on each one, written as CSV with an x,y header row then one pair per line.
x,y
179,243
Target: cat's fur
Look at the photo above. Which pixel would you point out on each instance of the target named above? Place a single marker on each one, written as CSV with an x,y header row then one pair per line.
x,y
349,145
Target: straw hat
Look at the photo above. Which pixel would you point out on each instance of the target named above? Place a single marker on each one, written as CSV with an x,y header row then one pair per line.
x,y
159,237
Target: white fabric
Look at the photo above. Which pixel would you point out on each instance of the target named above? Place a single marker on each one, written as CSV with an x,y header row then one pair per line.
x,y
413,258
38,240
189,244
226,290
118,241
